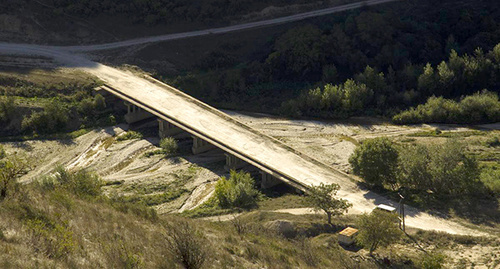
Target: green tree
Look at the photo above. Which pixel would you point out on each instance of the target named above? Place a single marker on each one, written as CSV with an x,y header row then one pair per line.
x,y
376,161
356,96
452,171
378,229
427,81
413,167
322,198
299,52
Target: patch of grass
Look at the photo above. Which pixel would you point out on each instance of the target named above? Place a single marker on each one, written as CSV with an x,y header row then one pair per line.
x,y
490,176
348,139
153,153
129,136
208,209
283,202
56,136
493,142
408,140
154,199
449,134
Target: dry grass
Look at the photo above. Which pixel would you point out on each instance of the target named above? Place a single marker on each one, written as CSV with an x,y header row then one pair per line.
x,y
58,227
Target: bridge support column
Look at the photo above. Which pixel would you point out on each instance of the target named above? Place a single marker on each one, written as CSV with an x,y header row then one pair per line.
x,y
135,113
268,180
200,145
233,162
166,129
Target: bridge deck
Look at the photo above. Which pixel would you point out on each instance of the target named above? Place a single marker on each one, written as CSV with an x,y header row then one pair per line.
x,y
219,129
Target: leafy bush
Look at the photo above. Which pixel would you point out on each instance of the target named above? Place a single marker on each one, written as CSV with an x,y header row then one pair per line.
x,y
237,191
169,146
81,183
375,160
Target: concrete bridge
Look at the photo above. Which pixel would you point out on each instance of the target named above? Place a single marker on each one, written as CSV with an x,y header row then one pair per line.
x,y
210,128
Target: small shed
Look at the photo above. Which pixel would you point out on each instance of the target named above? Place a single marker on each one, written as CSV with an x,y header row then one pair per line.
x,y
347,236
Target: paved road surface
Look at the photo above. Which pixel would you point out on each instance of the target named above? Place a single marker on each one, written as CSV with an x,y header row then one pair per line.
x,y
229,134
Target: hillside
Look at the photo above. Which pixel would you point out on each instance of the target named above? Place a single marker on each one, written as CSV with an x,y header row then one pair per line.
x,y
400,99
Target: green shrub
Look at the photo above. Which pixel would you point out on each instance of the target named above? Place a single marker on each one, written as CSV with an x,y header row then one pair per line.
x,y
53,118
81,183
338,101
129,136
169,146
187,245
431,261
50,238
237,191
7,108
91,106
481,107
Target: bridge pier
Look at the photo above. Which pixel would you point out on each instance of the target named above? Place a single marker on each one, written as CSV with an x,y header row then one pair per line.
x,y
135,113
233,162
166,129
268,180
200,145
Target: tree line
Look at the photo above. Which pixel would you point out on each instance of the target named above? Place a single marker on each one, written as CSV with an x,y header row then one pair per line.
x,y
394,58
442,171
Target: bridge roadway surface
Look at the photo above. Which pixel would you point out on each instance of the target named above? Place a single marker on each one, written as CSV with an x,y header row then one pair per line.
x,y
230,135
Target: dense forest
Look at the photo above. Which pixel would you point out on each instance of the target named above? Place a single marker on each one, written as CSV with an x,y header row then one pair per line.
x,y
395,57
154,12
